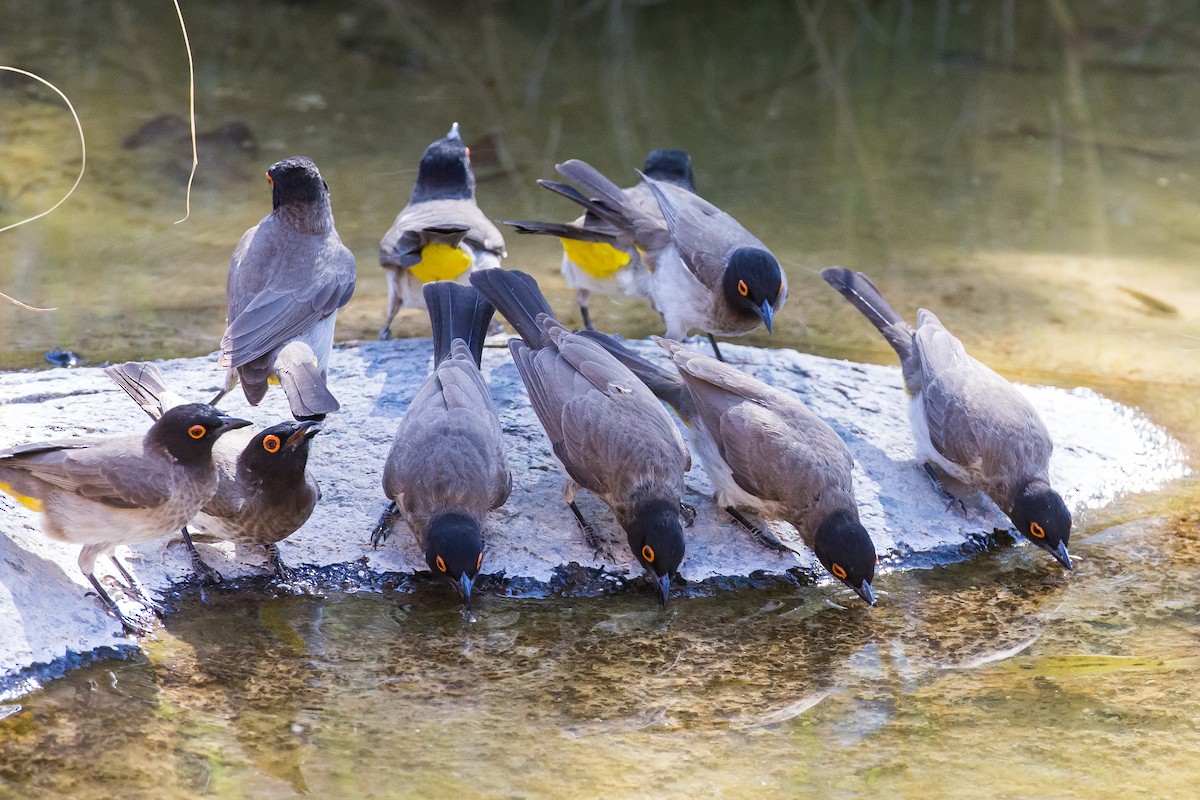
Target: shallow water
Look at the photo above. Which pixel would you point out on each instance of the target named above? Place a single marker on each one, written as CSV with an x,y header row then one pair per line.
x,y
1027,171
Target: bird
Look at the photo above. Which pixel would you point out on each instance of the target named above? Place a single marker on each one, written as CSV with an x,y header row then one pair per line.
x,y
766,451
101,492
968,421
264,490
441,234
707,272
609,433
288,277
447,466
598,257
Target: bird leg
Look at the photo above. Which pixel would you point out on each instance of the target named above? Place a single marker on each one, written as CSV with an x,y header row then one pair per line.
x,y
220,396
589,533
582,295
763,537
688,513
281,570
716,350
134,588
383,528
130,628
204,573
940,488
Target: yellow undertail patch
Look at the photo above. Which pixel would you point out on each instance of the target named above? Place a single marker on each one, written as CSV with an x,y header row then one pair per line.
x,y
598,259
440,262
32,503
273,380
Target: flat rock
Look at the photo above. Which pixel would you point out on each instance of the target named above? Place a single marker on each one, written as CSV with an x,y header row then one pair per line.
x,y
47,617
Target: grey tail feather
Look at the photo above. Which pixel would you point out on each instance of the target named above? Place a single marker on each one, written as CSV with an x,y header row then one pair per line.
x,y
143,382
666,385
517,297
593,181
862,294
457,312
563,230
303,383
601,209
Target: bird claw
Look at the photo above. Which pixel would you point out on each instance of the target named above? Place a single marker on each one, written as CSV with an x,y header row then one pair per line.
x,y
383,528
385,334
283,572
688,513
940,488
206,575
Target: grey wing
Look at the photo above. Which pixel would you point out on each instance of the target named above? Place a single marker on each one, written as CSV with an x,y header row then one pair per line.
x,y
703,234
401,245
114,472
283,291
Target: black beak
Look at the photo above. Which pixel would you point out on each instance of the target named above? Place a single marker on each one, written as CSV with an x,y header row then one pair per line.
x,y
304,431
865,592
465,582
230,424
767,312
663,584
454,134
1062,556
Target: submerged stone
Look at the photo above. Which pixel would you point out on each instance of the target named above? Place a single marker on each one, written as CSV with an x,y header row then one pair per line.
x,y
533,544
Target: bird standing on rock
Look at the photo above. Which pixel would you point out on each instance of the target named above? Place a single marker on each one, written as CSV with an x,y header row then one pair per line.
x,y
765,451
598,257
288,277
441,234
105,492
968,421
607,430
447,466
707,272
264,491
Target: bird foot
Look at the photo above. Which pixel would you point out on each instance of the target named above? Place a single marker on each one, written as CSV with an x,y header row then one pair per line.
x,y
688,513
383,528
385,334
940,488
764,537
589,535
129,627
283,572
206,575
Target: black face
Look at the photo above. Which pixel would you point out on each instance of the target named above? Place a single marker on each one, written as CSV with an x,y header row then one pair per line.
x,y
672,166
454,551
753,283
445,171
844,548
295,180
279,453
656,538
1041,515
188,432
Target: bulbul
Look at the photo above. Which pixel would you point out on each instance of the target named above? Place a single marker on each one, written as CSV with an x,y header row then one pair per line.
x,y
264,491
707,272
598,257
288,277
967,421
441,234
107,491
609,433
447,466
766,451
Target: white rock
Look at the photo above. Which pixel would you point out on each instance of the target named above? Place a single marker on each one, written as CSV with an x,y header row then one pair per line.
x,y
46,614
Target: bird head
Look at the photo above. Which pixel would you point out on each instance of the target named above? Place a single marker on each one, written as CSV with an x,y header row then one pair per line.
x,y
188,432
295,180
445,171
753,283
279,452
656,538
454,551
672,166
844,548
1042,517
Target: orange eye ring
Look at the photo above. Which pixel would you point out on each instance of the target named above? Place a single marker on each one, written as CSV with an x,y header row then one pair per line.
x,y
743,289
479,562
271,444
197,431
648,553
1037,531
441,565
838,571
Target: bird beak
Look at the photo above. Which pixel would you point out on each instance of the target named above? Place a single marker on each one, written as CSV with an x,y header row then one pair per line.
x,y
663,584
865,592
767,312
464,587
454,134
1060,554
304,431
230,423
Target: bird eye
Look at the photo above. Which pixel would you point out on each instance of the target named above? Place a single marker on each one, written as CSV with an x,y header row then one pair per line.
x,y
837,570
743,289
441,565
1037,531
479,561
271,444
197,431
270,180
648,553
